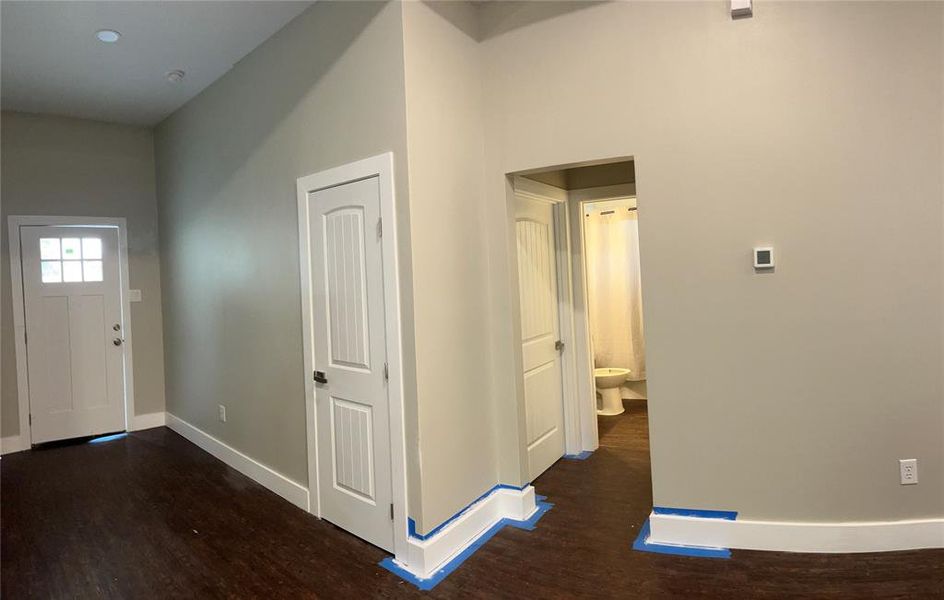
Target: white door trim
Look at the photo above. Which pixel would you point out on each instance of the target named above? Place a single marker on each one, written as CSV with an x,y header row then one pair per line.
x,y
580,431
380,166
15,222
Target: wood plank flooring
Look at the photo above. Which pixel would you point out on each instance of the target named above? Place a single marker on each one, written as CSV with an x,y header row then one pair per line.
x,y
153,516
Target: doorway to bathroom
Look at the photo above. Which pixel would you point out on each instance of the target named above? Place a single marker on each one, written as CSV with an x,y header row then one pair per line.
x,y
614,301
582,339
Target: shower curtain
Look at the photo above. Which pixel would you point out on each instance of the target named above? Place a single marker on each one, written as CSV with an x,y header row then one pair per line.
x,y
614,290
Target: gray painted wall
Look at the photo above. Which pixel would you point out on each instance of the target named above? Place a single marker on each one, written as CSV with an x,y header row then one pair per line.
x,y
73,167
815,127
326,90
458,456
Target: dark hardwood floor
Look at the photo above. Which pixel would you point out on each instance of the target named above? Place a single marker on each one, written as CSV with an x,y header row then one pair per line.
x,y
151,515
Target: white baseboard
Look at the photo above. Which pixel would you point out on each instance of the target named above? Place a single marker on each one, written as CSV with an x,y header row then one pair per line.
x,y
148,421
13,443
867,536
292,491
428,556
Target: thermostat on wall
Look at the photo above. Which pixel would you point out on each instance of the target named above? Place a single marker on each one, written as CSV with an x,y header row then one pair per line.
x,y
764,258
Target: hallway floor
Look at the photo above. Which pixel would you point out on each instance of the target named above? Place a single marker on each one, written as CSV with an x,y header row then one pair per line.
x,y
152,515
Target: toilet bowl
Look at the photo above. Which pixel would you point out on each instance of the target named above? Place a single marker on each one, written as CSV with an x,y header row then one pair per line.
x,y
608,381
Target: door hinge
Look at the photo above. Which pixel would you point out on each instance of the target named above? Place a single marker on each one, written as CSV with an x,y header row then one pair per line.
x,y
391,512
386,373
30,417
380,229
559,346
25,338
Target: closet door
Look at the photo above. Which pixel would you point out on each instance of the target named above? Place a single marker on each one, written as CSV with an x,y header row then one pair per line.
x,y
349,342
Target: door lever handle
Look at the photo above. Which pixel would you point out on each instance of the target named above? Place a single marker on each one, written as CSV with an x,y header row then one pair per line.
x,y
320,377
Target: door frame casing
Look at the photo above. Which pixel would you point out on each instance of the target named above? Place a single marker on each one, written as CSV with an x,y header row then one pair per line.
x,y
15,222
382,167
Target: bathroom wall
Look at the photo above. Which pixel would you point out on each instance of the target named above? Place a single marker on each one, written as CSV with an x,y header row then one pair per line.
x,y
74,167
814,127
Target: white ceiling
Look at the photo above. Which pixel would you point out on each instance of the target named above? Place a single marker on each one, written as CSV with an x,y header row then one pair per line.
x,y
51,61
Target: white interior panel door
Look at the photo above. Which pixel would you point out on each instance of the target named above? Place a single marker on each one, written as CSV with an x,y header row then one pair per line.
x,y
537,282
75,358
349,353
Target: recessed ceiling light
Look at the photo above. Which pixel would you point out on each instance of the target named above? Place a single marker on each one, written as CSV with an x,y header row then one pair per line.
x,y
109,36
174,76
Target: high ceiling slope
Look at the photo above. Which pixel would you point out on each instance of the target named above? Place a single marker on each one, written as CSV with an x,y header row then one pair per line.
x,y
53,63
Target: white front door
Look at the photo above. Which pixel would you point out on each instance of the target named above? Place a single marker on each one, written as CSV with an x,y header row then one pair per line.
x,y
351,401
537,283
72,301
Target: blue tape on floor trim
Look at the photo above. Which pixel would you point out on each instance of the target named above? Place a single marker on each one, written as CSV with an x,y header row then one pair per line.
x,y
728,515
642,544
579,456
428,584
411,524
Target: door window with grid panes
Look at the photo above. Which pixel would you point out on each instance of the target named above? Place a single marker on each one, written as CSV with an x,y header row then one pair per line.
x,y
70,259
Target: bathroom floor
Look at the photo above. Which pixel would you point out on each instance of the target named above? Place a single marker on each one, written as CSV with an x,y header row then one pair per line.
x,y
152,515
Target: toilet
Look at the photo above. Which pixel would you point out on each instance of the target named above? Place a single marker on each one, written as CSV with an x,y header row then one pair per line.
x,y
608,382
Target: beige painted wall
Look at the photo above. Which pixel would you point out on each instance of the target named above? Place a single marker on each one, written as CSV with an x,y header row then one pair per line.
x,y
72,167
324,91
457,451
815,127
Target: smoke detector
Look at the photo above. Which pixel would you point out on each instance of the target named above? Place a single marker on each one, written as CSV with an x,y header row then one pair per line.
x,y
174,76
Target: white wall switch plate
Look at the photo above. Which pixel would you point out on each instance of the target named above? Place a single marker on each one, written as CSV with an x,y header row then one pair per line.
x,y
909,471
134,295
222,413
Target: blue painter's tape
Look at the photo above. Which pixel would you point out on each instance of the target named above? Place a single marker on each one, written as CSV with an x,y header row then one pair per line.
x,y
411,524
642,544
579,456
531,522
728,515
428,584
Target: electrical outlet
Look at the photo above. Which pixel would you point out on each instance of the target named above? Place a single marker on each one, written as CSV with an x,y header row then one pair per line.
x,y
223,416
909,471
